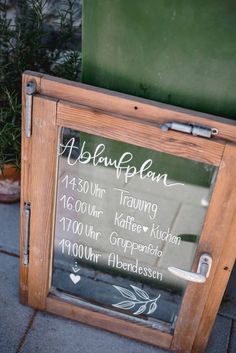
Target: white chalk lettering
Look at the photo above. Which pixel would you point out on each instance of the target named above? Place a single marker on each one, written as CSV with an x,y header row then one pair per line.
x,y
127,223
79,250
123,164
126,199
166,236
130,246
115,262
79,228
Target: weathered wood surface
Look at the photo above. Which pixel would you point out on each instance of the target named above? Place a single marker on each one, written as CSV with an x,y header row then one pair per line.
x,y
131,106
26,144
202,300
112,324
142,134
226,259
42,186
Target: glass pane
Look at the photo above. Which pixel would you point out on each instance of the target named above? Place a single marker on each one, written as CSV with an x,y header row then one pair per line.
x,y
124,214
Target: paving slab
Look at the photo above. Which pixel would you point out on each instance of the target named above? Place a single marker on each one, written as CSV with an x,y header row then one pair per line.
x,y
10,227
228,305
50,334
219,339
232,342
62,335
14,317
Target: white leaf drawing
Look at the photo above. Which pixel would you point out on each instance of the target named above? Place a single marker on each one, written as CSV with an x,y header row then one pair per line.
x,y
140,292
152,308
126,293
141,309
141,301
124,305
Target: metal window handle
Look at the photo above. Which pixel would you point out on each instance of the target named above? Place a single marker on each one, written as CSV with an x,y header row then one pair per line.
x,y
203,270
30,90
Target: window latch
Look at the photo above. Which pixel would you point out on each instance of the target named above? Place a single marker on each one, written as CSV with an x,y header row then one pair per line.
x,y
195,130
30,90
203,270
26,233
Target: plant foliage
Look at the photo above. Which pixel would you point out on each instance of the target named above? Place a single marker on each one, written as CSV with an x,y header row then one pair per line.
x,y
29,42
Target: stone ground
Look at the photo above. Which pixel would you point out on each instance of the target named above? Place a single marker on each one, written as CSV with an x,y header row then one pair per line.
x,y
24,330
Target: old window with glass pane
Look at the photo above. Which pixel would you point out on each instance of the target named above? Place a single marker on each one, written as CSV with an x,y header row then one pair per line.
x,y
124,215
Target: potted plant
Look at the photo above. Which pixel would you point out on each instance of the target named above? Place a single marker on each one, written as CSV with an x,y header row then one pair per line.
x,y
33,39
10,149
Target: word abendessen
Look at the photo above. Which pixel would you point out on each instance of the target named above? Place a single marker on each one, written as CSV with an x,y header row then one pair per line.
x,y
146,271
123,164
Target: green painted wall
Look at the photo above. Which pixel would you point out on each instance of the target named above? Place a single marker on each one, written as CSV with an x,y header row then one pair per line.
x,y
181,52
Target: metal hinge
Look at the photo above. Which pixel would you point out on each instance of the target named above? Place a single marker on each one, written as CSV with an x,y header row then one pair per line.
x,y
26,233
30,90
195,130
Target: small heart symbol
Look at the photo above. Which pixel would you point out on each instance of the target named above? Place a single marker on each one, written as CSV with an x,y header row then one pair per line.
x,y
145,228
75,278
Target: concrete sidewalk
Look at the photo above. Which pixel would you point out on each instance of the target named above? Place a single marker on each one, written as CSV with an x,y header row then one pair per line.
x,y
24,330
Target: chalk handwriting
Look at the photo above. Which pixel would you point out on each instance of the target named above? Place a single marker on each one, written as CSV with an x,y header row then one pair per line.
x,y
83,186
130,246
128,200
123,164
127,223
166,235
83,207
79,251
115,261
79,228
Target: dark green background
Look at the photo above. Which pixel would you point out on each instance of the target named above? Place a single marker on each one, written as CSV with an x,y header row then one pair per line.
x,y
178,168
181,52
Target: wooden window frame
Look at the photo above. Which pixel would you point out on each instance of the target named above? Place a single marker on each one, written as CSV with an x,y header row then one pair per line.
x,y
136,121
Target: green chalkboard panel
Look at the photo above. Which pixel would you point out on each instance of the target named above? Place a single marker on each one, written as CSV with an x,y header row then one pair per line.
x,y
122,219
177,52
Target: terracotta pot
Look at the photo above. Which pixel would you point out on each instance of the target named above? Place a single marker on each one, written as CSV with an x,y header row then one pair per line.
x,y
9,184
